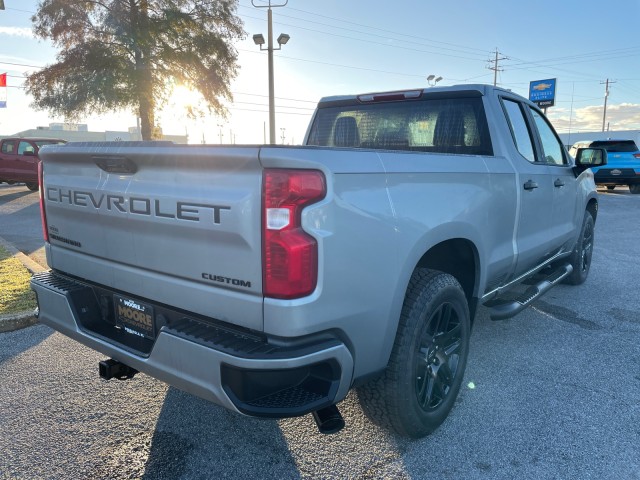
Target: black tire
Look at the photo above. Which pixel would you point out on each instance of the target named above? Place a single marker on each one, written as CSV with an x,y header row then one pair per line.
x,y
419,387
580,258
634,189
32,186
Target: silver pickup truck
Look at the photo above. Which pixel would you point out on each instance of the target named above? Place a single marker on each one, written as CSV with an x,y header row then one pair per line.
x,y
272,280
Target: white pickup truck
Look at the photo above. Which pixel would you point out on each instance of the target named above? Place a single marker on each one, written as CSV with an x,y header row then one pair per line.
x,y
272,280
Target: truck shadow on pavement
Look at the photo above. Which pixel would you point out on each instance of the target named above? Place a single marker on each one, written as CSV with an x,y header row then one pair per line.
x,y
16,195
193,436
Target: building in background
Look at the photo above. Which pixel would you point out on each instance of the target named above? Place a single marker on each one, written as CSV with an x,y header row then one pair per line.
x,y
79,132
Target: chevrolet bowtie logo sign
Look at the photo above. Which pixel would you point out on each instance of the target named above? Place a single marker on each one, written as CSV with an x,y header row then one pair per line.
x,y
616,172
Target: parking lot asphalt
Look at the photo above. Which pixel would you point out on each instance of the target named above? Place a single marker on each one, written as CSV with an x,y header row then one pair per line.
x,y
553,393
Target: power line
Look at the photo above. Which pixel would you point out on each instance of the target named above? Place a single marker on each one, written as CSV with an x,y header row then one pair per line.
x,y
267,112
341,66
19,64
283,106
465,51
315,14
371,42
462,50
18,10
591,56
334,19
594,56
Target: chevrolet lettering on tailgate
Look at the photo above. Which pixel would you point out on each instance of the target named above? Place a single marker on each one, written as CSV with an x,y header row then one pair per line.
x,y
135,205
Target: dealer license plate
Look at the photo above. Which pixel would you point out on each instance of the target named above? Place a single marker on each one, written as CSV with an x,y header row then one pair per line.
x,y
134,316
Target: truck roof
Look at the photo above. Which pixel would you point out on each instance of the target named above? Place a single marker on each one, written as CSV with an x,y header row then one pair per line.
x,y
478,89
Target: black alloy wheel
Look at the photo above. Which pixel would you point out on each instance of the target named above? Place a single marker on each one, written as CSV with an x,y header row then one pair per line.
x,y
586,248
424,374
580,258
438,358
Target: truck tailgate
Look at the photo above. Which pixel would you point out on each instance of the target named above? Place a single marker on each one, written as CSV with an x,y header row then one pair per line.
x,y
173,224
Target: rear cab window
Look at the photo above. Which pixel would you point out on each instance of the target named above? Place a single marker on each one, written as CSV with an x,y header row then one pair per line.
x,y
424,124
622,146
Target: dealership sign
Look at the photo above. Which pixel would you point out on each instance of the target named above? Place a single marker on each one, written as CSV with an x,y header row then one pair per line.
x,y
543,92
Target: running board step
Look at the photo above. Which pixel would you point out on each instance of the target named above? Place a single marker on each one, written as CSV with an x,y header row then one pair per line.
x,y
502,311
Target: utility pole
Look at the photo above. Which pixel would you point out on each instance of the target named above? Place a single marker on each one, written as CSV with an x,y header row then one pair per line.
x,y
494,66
606,96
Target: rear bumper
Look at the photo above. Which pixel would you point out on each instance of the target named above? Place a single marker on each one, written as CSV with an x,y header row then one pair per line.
x,y
617,176
232,368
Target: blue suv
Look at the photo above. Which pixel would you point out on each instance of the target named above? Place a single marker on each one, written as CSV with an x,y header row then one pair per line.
x,y
623,163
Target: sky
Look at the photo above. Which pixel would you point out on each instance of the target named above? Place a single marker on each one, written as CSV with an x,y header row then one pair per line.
x,y
359,46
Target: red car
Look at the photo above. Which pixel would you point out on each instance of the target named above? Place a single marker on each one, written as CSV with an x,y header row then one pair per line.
x,y
19,159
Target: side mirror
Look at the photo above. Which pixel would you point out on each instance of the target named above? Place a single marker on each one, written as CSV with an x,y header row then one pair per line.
x,y
591,157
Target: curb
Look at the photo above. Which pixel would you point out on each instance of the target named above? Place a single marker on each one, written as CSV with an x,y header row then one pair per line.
x,y
16,321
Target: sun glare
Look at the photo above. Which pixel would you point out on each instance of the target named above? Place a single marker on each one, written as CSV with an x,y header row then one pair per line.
x,y
182,96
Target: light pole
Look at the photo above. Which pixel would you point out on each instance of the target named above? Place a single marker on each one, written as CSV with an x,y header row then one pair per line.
x,y
258,39
220,125
432,80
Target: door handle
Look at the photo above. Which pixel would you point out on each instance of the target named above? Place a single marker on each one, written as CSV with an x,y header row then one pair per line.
x,y
530,185
558,183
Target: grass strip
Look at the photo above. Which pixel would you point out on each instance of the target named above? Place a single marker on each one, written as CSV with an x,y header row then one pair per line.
x,y
15,293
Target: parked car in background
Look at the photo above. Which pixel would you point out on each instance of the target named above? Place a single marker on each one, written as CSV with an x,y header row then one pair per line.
x,y
19,159
623,163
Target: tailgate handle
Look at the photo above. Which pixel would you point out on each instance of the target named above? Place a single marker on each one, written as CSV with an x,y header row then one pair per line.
x,y
115,164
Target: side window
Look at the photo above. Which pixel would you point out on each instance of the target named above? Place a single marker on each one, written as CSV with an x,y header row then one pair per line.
x,y
550,143
25,147
519,129
8,147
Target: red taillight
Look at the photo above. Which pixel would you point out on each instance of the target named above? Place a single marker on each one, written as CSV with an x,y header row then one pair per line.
x,y
290,255
43,214
637,155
